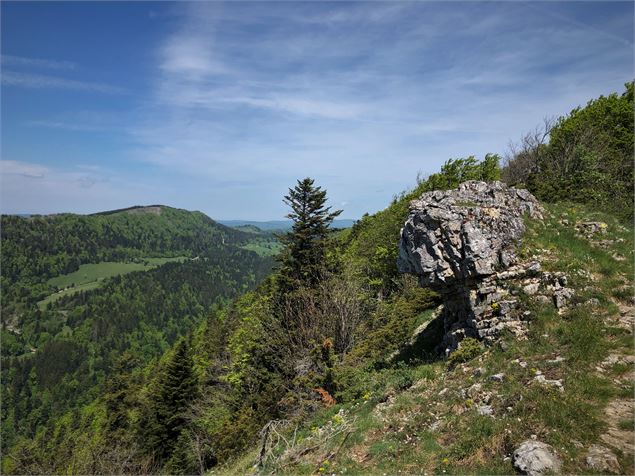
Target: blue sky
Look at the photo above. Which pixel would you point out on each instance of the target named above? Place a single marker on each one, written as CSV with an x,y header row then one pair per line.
x,y
220,107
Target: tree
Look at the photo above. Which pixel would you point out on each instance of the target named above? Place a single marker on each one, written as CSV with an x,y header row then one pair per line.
x,y
306,243
165,416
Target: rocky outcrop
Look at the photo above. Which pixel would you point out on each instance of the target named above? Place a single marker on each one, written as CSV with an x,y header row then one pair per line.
x,y
461,244
536,458
602,460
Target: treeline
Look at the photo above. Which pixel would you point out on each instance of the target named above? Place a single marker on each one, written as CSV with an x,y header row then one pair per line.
x,y
585,157
39,247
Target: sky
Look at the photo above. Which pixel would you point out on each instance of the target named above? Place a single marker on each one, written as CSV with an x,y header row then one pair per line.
x,y
221,107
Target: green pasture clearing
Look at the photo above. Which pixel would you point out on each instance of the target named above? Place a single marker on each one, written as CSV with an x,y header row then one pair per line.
x,y
89,276
264,248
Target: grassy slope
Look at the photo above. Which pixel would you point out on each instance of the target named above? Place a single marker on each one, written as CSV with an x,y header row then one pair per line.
x,y
419,420
90,276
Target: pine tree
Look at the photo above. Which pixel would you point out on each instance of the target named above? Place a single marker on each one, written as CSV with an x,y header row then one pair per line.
x,y
306,243
164,418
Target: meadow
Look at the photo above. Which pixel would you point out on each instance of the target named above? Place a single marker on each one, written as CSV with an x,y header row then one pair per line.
x,y
90,276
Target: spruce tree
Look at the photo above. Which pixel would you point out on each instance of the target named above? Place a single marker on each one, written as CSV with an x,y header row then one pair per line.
x,y
306,243
164,418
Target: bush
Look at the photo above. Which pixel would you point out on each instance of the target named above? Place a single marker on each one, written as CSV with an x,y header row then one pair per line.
x,y
467,350
589,157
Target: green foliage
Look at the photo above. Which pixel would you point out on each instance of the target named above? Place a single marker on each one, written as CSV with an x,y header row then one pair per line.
x,y
305,245
163,420
589,157
66,353
468,349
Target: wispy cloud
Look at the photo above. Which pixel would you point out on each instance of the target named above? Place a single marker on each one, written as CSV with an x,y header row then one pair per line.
x,y
37,81
242,98
27,187
10,60
68,126
23,169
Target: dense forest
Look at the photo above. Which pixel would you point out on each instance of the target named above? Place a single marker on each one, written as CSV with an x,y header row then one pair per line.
x,y
170,371
36,248
56,357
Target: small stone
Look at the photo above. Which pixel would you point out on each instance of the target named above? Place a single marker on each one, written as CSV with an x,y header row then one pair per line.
x,y
485,410
536,458
474,390
549,383
504,346
478,372
542,299
600,458
497,377
531,289
557,360
562,296
443,392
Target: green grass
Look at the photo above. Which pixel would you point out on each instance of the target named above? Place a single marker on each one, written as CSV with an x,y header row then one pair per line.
x,y
400,439
264,248
90,276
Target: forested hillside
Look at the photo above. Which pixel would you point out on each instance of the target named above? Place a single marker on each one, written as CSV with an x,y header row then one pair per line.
x,y
334,363
36,248
57,353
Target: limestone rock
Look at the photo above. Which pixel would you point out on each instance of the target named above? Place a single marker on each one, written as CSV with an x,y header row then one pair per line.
x,y
536,458
590,228
600,458
562,296
461,243
557,384
459,235
497,377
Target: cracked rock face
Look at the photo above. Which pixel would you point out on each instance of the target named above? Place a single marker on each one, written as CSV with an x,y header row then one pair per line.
x,y
462,235
461,243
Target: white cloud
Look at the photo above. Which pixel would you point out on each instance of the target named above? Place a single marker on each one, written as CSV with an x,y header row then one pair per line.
x,y
33,188
37,81
24,169
37,63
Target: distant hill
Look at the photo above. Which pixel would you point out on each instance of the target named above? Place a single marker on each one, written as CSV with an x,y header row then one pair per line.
x,y
39,247
280,224
82,292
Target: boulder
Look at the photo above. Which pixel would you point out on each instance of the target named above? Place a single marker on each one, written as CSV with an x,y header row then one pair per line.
x,y
461,244
458,236
535,458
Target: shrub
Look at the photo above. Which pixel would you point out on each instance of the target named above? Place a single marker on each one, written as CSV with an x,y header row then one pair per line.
x,y
467,350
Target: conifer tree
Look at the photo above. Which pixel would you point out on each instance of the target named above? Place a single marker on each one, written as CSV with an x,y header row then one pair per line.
x,y
164,418
306,243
